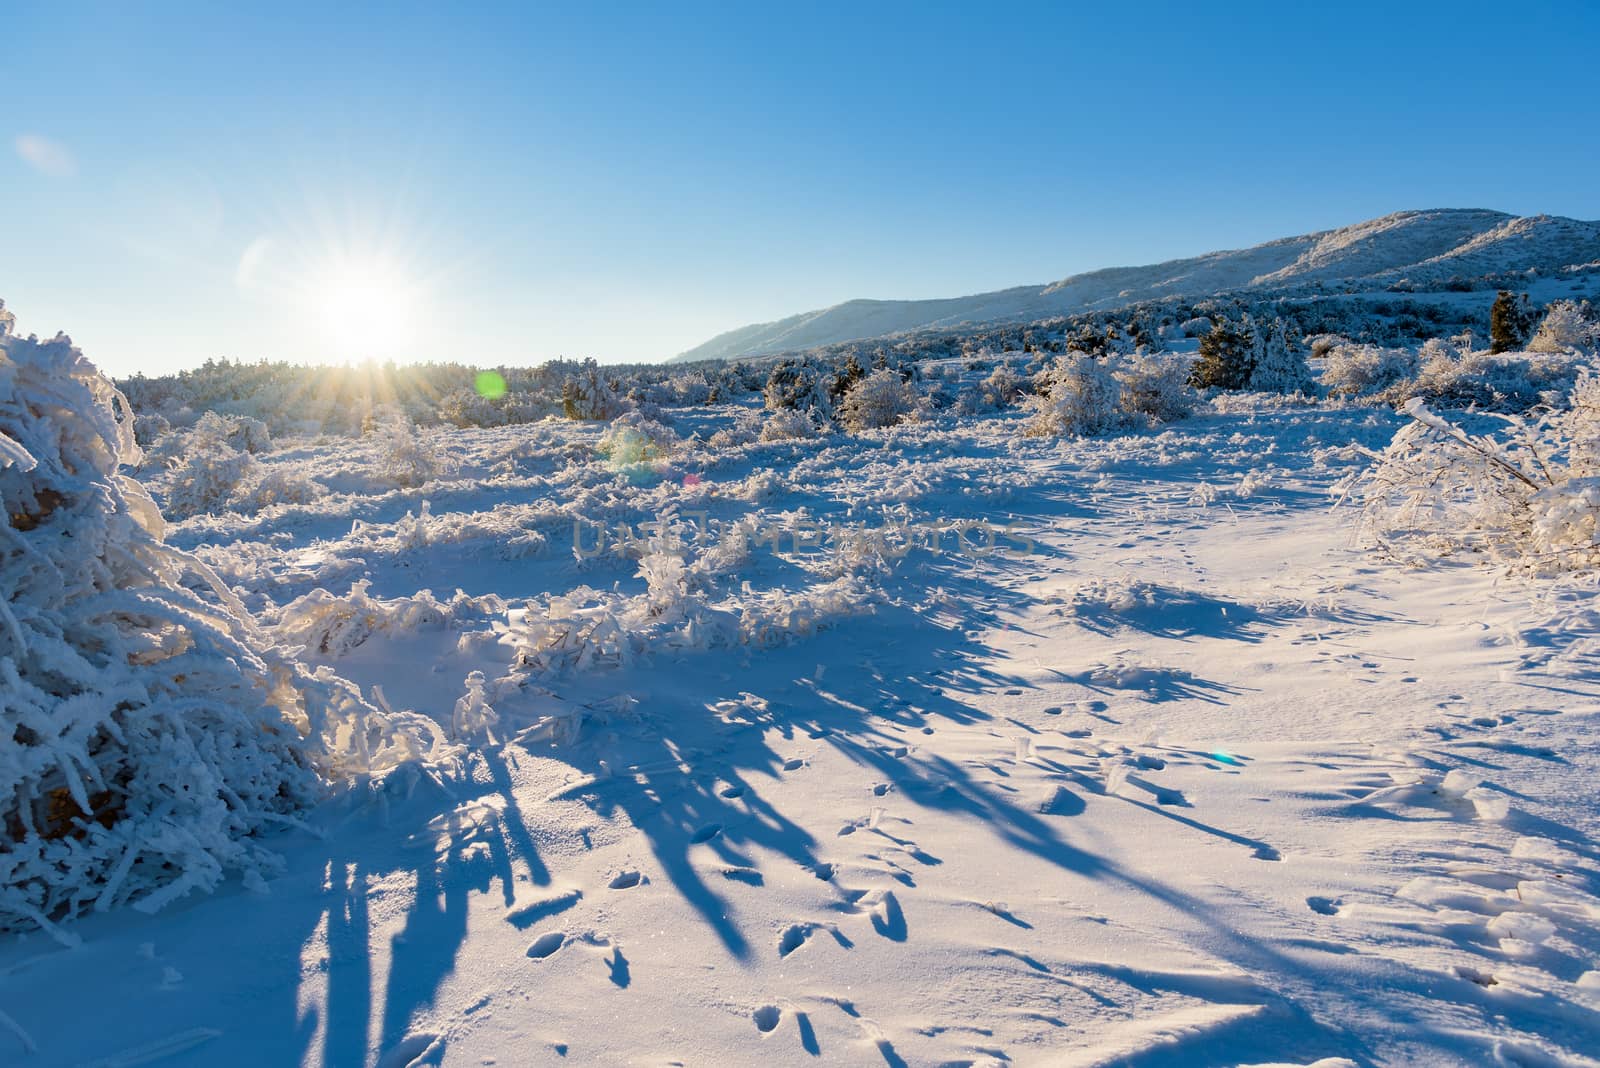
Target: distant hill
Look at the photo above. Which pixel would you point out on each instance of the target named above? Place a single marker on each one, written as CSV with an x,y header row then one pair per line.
x,y
1425,248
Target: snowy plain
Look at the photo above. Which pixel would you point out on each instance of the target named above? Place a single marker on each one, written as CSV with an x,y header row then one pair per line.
x,y
1178,772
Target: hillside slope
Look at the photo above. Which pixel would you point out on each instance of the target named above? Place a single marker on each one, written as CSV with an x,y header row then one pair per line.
x,y
1423,247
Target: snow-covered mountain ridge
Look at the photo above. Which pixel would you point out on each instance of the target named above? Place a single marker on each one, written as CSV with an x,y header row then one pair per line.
x,y
1424,248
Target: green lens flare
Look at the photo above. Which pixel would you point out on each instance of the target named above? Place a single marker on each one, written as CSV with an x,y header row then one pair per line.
x,y
490,385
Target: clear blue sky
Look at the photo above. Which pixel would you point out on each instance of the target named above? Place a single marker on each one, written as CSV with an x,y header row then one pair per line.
x,y
507,184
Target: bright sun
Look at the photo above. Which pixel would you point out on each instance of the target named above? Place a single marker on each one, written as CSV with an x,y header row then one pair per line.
x,y
367,307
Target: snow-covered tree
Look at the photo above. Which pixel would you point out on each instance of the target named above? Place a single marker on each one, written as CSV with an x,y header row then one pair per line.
x,y
1508,322
1278,364
1227,355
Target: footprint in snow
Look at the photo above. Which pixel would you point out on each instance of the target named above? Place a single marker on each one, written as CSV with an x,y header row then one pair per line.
x,y
625,880
705,834
887,919
1323,906
794,936
1061,802
794,765
880,789
766,1018
546,945
731,791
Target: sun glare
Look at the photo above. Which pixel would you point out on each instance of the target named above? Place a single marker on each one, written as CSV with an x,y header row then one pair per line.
x,y
367,307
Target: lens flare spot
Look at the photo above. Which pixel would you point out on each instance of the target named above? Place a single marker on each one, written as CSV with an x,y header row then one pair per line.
x,y
491,385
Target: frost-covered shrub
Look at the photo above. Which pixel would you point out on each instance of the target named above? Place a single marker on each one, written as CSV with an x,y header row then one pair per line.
x,y
1507,381
789,424
150,733
1002,388
881,399
1528,495
1566,327
332,625
467,407
279,484
690,390
406,457
1227,357
635,439
797,385
207,479
149,428
1353,370
1156,386
212,462
1278,365
1199,326
587,394
233,431
473,716
1079,395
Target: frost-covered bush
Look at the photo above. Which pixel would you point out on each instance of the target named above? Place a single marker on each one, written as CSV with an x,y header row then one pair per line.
x,y
1278,365
1527,495
332,625
473,716
467,407
212,463
149,428
1507,381
1002,388
274,485
635,439
208,478
238,432
1078,395
690,389
1156,386
150,732
1566,326
789,424
1354,370
881,399
794,384
586,394
1227,356
406,457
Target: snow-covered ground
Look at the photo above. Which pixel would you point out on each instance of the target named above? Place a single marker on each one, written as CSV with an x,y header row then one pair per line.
x,y
1178,773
